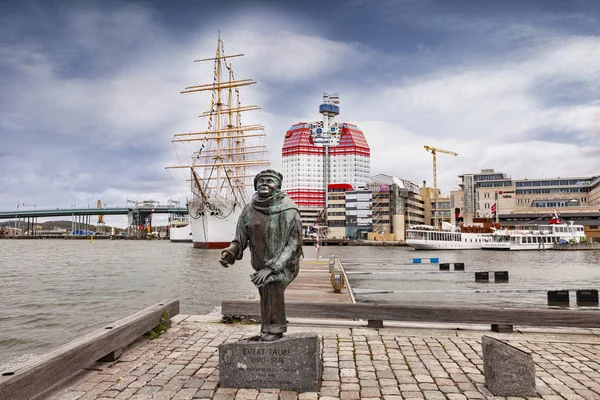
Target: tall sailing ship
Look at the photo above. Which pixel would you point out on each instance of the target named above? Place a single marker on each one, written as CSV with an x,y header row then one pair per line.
x,y
226,156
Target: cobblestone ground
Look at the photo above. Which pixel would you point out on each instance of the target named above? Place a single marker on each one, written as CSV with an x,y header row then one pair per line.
x,y
389,363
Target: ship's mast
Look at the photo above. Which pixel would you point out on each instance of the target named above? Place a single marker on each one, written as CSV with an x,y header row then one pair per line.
x,y
227,135
230,157
218,160
241,145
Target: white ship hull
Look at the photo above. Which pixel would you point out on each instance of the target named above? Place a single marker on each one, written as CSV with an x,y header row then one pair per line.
x,y
467,242
496,246
427,239
441,245
211,232
180,234
541,237
520,246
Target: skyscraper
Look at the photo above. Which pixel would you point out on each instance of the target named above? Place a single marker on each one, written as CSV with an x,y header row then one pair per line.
x,y
324,152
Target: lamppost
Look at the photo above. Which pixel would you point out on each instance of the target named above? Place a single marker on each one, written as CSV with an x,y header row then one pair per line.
x,y
495,210
17,216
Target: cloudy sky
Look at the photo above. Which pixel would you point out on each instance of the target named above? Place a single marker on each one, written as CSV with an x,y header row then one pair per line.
x,y
89,91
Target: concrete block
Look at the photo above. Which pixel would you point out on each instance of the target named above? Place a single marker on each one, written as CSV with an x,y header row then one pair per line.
x,y
508,371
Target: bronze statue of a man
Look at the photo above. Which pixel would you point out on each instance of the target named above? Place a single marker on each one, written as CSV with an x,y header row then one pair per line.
x,y
271,226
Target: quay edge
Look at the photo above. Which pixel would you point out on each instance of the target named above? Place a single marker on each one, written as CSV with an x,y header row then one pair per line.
x,y
577,246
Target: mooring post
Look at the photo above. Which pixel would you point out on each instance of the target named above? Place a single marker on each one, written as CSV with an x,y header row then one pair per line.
x,y
375,323
502,328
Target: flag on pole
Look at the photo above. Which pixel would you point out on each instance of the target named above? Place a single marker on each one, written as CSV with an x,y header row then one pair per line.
x,y
493,208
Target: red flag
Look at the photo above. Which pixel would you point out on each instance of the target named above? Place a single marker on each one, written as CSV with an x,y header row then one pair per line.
x,y
493,209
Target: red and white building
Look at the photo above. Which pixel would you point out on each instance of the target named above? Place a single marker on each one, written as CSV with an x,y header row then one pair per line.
x,y
320,153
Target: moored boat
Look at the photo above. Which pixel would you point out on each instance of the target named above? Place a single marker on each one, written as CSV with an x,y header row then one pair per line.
x,y
536,237
221,168
180,229
449,237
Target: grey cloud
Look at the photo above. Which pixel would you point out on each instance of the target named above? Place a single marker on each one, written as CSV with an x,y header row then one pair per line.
x,y
90,95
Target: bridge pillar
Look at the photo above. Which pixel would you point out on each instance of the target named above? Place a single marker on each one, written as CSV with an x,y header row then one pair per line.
x,y
139,221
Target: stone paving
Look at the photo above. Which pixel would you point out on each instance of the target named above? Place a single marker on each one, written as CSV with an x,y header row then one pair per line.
x,y
388,363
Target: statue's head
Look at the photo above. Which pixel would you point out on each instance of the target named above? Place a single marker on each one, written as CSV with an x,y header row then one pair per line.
x,y
267,182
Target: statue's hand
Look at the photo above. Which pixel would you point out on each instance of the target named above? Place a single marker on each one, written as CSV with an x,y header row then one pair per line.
x,y
228,255
261,276
226,258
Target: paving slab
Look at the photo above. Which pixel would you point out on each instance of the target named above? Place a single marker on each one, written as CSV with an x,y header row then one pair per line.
x,y
416,362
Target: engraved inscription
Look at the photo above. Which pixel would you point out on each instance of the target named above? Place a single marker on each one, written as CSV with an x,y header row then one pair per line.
x,y
289,364
266,356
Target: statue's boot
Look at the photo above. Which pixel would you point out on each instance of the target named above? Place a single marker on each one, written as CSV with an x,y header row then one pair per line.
x,y
270,337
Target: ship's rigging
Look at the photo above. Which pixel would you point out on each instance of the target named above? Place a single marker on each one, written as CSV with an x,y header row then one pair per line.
x,y
223,161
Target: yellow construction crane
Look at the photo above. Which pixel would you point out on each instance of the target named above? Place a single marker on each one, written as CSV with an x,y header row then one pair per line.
x,y
434,152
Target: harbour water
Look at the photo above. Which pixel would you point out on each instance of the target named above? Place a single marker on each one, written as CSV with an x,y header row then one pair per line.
x,y
388,275
53,291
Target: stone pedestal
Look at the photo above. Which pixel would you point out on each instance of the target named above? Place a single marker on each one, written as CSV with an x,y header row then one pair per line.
x,y
508,371
290,363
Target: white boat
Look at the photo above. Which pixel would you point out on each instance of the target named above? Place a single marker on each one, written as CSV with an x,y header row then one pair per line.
x,y
222,163
536,237
426,237
180,229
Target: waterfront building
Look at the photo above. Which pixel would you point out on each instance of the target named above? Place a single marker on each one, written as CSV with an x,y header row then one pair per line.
x,y
316,154
382,224
312,216
457,207
574,198
415,206
479,192
594,193
441,210
515,202
336,209
436,208
552,193
397,204
359,213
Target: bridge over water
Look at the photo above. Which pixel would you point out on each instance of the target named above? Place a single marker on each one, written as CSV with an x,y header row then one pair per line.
x,y
69,212
140,216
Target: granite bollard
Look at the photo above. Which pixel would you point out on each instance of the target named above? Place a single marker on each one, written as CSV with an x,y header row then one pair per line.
x,y
508,371
290,363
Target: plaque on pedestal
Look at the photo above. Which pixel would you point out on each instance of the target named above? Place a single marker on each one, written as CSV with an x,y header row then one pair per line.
x,y
290,363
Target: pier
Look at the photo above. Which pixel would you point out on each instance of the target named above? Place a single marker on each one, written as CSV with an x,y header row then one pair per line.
x,y
415,357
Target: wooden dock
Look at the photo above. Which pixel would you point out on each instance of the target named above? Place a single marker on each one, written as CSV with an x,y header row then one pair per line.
x,y
313,284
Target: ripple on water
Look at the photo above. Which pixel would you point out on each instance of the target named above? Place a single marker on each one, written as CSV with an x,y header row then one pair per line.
x,y
13,360
54,291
